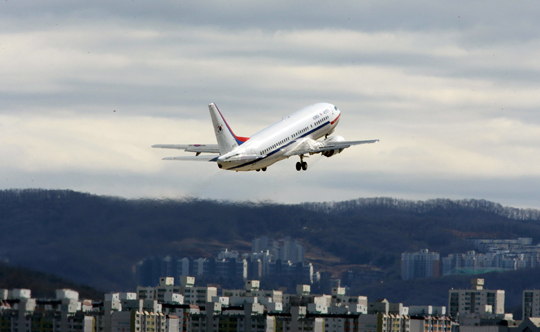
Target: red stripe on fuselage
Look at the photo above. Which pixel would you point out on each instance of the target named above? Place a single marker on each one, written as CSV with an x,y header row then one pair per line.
x,y
335,119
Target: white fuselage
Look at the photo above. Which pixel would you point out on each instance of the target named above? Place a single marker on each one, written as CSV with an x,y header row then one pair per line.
x,y
273,143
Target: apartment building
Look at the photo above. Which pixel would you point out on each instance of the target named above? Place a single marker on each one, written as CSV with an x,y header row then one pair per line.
x,y
421,264
65,313
383,316
475,300
284,249
531,303
279,259
248,309
493,255
430,319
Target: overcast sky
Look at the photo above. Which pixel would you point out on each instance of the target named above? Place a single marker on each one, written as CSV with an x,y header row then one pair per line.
x,y
451,89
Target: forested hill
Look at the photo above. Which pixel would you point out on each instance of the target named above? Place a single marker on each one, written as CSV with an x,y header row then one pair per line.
x,y
97,240
445,206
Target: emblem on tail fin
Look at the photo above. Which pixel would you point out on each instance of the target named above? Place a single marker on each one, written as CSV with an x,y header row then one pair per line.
x,y
226,139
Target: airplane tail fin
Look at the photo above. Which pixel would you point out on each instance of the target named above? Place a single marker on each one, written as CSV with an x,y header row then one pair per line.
x,y
226,139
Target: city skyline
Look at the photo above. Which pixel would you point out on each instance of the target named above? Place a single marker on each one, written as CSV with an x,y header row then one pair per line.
x,y
170,306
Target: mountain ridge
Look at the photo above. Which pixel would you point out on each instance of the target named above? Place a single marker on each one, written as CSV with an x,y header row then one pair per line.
x,y
419,206
416,206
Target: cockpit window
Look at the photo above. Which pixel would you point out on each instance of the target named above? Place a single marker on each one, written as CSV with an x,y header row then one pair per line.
x,y
335,108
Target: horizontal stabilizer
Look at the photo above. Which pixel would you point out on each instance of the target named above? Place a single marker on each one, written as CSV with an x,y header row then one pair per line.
x,y
195,158
171,146
197,148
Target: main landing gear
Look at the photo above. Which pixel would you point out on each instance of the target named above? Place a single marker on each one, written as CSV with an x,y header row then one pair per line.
x,y
301,165
263,169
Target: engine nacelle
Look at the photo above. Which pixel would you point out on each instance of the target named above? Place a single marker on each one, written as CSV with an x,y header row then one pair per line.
x,y
332,139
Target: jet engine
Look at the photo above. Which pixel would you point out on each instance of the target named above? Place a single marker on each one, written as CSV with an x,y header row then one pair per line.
x,y
329,141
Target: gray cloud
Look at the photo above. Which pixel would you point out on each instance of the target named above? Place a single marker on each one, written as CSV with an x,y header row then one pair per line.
x,y
495,21
450,88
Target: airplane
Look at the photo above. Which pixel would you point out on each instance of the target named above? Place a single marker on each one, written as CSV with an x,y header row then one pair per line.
x,y
303,133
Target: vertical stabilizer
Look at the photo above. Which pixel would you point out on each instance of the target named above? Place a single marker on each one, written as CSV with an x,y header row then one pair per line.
x,y
226,139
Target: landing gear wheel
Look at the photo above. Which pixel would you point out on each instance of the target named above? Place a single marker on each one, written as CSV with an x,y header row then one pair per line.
x,y
264,169
258,170
304,166
298,166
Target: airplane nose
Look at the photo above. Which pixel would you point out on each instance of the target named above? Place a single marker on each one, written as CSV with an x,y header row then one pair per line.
x,y
336,114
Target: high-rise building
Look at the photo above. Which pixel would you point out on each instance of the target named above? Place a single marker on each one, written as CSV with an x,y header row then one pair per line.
x,y
228,266
531,303
285,249
475,300
422,264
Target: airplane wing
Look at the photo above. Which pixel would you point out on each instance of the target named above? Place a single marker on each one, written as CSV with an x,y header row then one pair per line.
x,y
345,144
312,147
211,158
197,148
